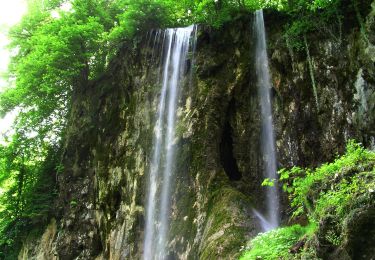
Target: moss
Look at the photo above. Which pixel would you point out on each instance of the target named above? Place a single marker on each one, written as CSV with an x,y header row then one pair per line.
x,y
182,226
227,224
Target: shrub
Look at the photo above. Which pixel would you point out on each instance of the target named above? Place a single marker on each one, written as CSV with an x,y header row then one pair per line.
x,y
332,186
276,244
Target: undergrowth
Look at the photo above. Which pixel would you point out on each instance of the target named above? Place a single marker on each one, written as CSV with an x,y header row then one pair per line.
x,y
332,190
332,186
276,244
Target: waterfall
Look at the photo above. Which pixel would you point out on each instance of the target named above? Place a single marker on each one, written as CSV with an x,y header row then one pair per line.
x,y
161,174
271,218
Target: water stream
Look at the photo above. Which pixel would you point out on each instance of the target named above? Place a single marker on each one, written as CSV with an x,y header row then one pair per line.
x,y
177,43
271,218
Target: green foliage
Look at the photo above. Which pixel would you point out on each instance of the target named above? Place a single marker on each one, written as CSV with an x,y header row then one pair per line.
x,y
268,182
55,53
275,244
322,16
27,190
333,186
333,238
140,16
73,203
327,194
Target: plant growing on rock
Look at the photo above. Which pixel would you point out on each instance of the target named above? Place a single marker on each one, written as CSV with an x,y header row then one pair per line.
x,y
330,196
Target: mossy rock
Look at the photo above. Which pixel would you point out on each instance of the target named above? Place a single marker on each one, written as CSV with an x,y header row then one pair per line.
x,y
359,230
228,224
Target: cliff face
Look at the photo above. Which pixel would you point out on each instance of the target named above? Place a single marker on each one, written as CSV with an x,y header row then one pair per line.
x,y
100,212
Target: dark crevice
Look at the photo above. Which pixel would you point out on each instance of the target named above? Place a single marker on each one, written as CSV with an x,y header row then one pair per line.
x,y
115,203
227,159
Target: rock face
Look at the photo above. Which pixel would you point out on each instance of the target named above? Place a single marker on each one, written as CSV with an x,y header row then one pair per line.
x,y
108,143
43,248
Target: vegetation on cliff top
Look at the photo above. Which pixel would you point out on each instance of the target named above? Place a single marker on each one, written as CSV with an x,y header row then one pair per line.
x,y
330,196
60,46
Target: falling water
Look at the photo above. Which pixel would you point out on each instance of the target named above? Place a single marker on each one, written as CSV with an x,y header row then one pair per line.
x,y
271,218
161,174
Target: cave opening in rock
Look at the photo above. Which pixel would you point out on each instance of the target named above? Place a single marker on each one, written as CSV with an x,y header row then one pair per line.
x,y
227,159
